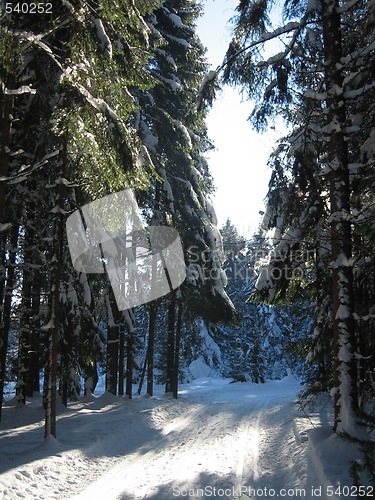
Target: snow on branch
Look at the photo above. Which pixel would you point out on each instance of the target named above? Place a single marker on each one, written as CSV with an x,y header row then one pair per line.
x,y
105,42
151,26
148,138
206,91
180,41
37,40
184,131
68,5
175,83
26,170
5,227
145,28
96,102
207,88
168,58
348,5
174,18
25,89
353,94
282,30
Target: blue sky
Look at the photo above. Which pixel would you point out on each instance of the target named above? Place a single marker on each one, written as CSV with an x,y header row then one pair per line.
x,y
239,164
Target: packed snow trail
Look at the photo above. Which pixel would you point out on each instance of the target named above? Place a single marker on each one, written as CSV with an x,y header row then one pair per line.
x,y
219,446
218,440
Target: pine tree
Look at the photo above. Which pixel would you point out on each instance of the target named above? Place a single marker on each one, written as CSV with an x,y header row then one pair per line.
x,y
9,55
173,130
261,345
70,65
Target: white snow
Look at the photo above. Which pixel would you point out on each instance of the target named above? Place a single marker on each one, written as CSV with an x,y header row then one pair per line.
x,y
199,368
176,20
312,5
185,133
25,89
149,139
181,41
211,75
212,349
49,325
368,147
173,82
210,209
5,227
218,440
168,58
105,42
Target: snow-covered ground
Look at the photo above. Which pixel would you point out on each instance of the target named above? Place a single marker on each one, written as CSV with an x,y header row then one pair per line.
x,y
218,440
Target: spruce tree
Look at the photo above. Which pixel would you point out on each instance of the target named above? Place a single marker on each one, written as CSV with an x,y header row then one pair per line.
x,y
67,61
318,81
173,130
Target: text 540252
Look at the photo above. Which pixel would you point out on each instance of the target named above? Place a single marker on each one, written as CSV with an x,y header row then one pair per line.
x,y
28,8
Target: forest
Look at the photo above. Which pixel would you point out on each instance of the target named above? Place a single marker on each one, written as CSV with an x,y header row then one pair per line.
x,y
102,96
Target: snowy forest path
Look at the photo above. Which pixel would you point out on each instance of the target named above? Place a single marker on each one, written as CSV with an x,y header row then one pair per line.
x,y
217,440
215,444
276,460
250,444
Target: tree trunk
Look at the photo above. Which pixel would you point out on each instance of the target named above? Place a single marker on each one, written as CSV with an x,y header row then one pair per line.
x,y
322,343
177,352
69,344
56,270
7,310
91,377
112,346
53,332
34,365
151,348
142,378
89,365
24,389
129,352
6,115
121,363
342,273
171,344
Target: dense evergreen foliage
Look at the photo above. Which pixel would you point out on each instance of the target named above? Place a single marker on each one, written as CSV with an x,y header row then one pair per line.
x,y
318,75
97,97
267,341
101,96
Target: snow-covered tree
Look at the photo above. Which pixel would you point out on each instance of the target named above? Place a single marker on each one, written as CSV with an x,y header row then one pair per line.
x,y
69,92
266,341
319,79
173,130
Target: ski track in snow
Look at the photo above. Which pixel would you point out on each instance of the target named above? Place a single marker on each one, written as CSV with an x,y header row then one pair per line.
x,y
215,444
216,435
